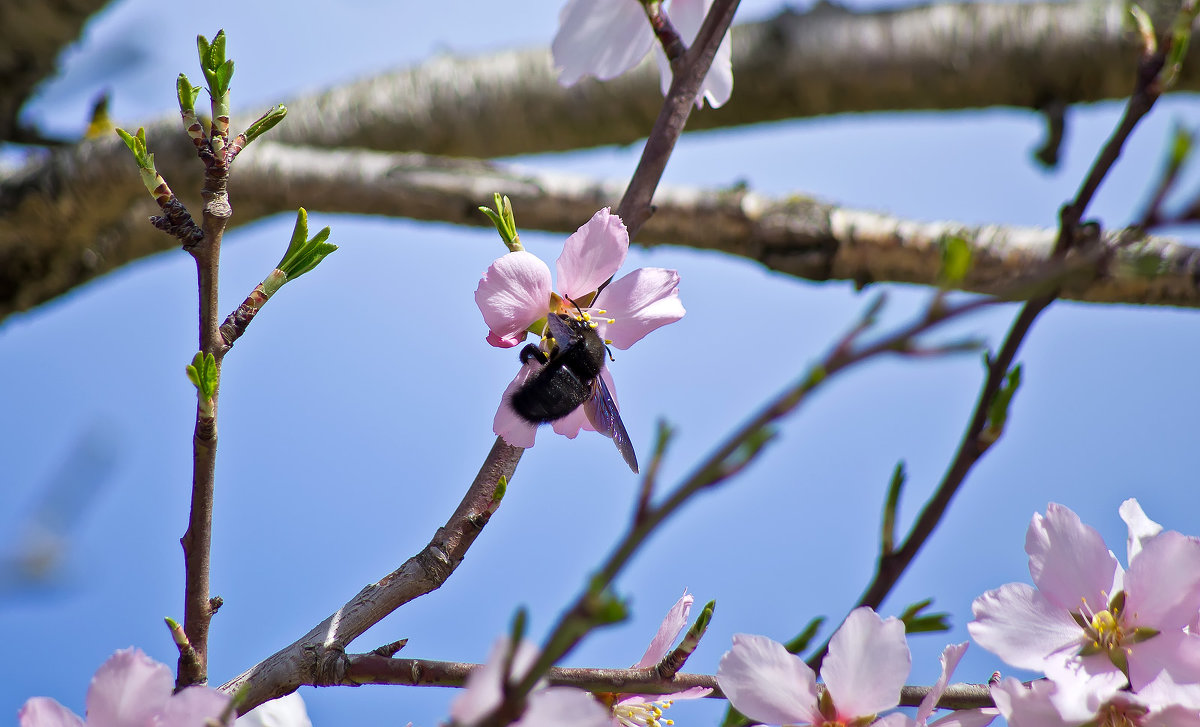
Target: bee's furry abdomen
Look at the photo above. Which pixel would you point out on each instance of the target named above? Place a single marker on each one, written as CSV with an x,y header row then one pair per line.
x,y
552,393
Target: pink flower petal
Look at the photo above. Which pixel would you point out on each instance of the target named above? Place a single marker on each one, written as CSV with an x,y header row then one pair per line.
x,y
570,425
516,431
193,707
128,689
1173,716
592,255
640,302
560,706
1026,707
512,294
689,693
950,658
867,664
45,712
601,39
1172,656
674,622
967,718
1164,690
1162,584
482,692
1018,624
1069,561
766,683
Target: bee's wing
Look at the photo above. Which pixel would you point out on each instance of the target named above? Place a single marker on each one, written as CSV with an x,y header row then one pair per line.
x,y
559,330
602,412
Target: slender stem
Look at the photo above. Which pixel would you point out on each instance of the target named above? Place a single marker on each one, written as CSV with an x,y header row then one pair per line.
x,y
198,608
635,209
891,565
720,466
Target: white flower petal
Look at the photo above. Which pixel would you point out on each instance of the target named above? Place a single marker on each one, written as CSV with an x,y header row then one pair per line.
x,y
601,39
1141,527
287,711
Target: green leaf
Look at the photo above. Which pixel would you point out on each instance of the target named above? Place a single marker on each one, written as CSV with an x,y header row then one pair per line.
x,y
519,623
1182,143
805,637
915,622
890,506
202,49
733,718
303,255
203,374
956,259
266,122
607,609
1145,28
998,410
504,221
1181,35
186,92
137,145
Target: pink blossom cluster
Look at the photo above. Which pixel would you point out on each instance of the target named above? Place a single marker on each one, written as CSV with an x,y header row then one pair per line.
x,y
556,706
863,673
132,690
1117,646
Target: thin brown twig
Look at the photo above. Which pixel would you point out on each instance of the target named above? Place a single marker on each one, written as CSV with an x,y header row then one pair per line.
x,y
972,446
197,539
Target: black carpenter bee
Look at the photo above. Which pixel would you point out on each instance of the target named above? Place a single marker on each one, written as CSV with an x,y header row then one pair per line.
x,y
570,378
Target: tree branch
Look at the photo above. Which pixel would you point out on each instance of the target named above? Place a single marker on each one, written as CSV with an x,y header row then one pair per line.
x,y
319,656
795,65
59,232
29,57
375,669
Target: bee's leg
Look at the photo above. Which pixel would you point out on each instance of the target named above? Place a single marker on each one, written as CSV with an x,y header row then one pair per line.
x,y
532,351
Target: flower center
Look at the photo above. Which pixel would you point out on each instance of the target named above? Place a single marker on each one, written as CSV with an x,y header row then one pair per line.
x,y
1106,632
1116,715
634,713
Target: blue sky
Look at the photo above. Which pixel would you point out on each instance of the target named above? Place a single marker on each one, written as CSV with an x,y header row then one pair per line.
x,y
358,407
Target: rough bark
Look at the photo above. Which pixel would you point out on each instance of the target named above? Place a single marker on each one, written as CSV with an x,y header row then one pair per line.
x,y
32,35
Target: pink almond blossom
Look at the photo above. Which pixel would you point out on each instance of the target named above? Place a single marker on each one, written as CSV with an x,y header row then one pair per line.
x,y
1046,703
131,690
606,39
634,710
516,293
864,671
545,706
1090,621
